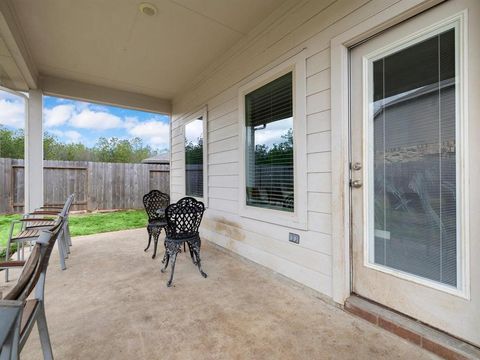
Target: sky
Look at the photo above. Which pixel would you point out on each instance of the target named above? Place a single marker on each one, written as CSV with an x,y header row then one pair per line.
x,y
74,121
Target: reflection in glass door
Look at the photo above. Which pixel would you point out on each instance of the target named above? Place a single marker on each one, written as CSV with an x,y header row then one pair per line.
x,y
413,157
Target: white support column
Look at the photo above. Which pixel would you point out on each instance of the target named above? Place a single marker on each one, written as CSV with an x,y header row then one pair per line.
x,y
34,151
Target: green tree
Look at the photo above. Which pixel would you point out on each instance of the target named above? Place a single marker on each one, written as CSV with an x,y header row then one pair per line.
x,y
12,143
105,150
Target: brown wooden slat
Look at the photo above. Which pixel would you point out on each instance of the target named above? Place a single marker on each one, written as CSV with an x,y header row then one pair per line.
x,y
28,310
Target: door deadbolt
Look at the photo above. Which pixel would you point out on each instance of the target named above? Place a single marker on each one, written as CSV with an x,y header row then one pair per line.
x,y
357,166
356,184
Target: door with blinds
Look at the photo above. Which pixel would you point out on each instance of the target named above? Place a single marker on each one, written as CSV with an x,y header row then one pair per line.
x,y
415,130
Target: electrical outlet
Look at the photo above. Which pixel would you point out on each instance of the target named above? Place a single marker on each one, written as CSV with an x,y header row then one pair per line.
x,y
294,238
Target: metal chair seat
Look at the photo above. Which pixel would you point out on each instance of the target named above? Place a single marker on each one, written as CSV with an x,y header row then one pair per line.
x,y
157,222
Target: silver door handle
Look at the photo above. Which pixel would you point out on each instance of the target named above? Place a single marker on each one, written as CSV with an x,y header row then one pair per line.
x,y
356,183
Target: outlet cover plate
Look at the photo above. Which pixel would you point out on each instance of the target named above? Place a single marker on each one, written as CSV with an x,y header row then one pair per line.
x,y
294,238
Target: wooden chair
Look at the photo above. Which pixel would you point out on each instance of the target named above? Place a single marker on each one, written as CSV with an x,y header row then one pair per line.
x,y
155,203
31,226
31,280
183,220
48,221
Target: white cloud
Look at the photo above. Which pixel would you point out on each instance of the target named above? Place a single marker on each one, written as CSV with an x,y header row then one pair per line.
x,y
81,115
57,115
73,136
154,133
273,132
69,136
12,111
194,130
95,120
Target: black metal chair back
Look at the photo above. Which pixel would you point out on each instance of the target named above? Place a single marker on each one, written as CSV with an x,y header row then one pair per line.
x,y
153,201
184,218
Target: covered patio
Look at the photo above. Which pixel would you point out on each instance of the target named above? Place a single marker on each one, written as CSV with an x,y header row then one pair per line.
x,y
112,302
287,121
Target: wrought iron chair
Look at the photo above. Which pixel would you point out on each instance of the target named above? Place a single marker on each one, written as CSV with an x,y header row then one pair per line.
x,y
32,279
183,220
155,203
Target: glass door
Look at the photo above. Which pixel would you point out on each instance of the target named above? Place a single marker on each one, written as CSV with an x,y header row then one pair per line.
x,y
410,151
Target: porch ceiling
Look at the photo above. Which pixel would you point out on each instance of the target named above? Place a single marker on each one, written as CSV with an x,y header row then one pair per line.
x,y
111,44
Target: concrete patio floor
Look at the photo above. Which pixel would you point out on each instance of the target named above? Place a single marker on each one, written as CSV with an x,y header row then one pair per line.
x,y
112,303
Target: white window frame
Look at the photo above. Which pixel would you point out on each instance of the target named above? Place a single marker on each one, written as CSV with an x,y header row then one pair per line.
x,y
202,113
298,218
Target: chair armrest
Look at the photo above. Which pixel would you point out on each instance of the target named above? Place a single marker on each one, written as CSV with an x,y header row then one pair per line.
x,y
13,263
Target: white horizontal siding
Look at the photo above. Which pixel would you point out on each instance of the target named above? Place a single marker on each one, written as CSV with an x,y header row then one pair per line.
x,y
319,142
310,240
226,181
319,101
223,133
223,169
223,193
318,62
318,82
318,122
230,143
319,162
320,182
311,24
223,157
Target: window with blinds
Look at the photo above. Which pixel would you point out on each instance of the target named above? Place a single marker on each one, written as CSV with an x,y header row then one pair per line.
x,y
269,145
415,160
194,158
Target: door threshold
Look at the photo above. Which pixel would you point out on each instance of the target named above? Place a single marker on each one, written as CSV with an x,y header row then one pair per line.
x,y
433,340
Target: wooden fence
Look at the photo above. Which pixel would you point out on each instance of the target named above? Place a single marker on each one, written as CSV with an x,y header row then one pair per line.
x,y
98,186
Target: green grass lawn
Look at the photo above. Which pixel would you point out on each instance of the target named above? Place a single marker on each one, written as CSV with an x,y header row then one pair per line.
x,y
87,224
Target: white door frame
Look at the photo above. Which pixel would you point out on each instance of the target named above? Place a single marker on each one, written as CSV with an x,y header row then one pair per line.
x,y
340,119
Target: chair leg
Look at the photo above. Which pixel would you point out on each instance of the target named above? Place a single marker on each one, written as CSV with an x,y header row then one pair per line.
x,y
172,248
43,333
174,260
69,236
165,253
167,259
192,255
149,239
61,253
156,234
195,246
7,257
65,238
